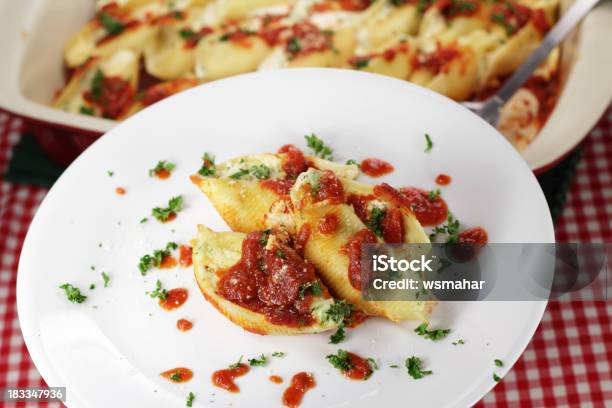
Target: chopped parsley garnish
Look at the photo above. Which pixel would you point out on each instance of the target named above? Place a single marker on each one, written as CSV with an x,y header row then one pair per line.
x,y
413,364
237,363
258,362
145,219
294,46
208,167
500,19
190,398
186,33
341,360
175,204
433,335
280,254
159,291
92,286
423,5
377,217
105,278
110,24
428,143
434,194
260,171
96,85
353,162
373,363
499,363
264,237
315,289
458,342
86,110
496,377
318,147
110,173
393,366
338,336
278,354
161,165
451,228
149,261
176,377
360,63
73,293
339,311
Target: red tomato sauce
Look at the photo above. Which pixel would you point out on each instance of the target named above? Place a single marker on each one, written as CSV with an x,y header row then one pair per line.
x,y
174,299
437,61
162,174
294,163
171,217
514,15
120,191
330,188
184,325
168,262
353,250
225,378
300,383
328,224
356,318
443,180
276,379
546,92
193,40
475,235
376,167
114,99
361,369
305,39
393,228
427,212
178,375
185,256
455,8
268,281
162,90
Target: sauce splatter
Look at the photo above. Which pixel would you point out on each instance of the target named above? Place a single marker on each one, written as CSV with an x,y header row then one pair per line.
x,y
328,224
171,217
376,167
360,370
175,298
427,210
120,191
225,378
475,235
184,325
185,256
275,379
280,187
178,375
300,383
168,262
443,179
330,188
162,174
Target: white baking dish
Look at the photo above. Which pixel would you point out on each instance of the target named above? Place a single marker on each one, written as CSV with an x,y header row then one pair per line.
x,y
35,31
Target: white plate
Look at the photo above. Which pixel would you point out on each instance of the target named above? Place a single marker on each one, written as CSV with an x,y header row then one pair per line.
x,y
109,350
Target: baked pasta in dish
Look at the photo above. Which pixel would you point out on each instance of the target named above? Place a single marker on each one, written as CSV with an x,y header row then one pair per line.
x,y
136,52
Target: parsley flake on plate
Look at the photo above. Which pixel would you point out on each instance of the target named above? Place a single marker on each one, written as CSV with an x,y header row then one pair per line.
x,y
149,261
190,398
338,336
428,143
73,294
159,291
208,165
433,335
258,362
105,278
450,228
318,147
278,354
341,360
413,364
499,363
175,204
237,363
162,165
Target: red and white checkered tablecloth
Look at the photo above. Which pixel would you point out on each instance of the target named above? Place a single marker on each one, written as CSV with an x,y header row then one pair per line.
x,y
567,363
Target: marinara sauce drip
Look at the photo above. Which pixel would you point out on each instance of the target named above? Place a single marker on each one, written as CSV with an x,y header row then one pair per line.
x,y
185,256
307,38
443,179
328,224
174,299
353,249
392,226
268,281
225,378
360,370
513,15
114,97
376,167
437,61
280,187
475,235
300,383
178,375
184,325
295,162
427,211
193,39
275,379
168,262
330,188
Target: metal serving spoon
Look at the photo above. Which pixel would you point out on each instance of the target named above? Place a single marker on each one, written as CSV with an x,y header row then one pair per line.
x,y
490,107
